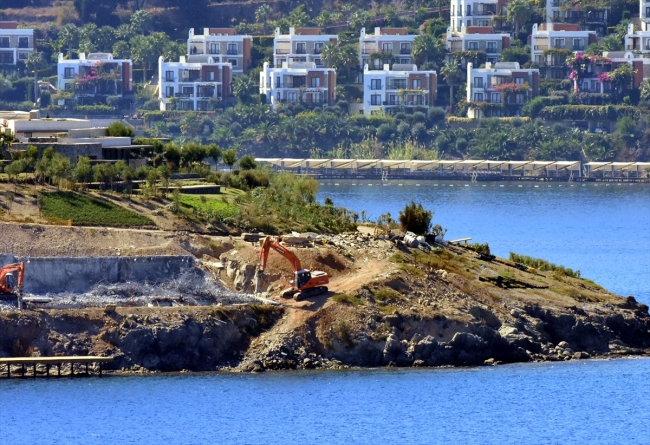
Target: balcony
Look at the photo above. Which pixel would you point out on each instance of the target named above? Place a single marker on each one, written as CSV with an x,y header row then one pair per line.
x,y
232,52
300,51
559,46
190,79
540,47
283,51
214,52
578,47
405,51
184,95
491,49
367,51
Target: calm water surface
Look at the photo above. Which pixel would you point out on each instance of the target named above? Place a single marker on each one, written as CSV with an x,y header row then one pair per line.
x,y
602,230
596,402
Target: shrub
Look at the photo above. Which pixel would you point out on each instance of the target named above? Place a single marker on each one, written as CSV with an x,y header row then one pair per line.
x,y
483,249
348,299
435,115
541,264
119,129
415,218
247,162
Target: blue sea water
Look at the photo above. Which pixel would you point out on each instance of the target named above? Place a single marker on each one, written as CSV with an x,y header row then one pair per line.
x,y
595,402
602,230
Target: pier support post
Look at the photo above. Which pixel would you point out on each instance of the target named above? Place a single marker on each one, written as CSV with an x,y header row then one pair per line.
x,y
34,370
100,369
8,370
59,369
47,369
23,370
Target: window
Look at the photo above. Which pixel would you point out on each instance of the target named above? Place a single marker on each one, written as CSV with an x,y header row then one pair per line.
x,y
375,84
301,48
578,44
169,76
375,99
469,9
68,86
491,47
4,42
68,73
387,47
23,55
519,99
558,43
519,81
233,62
417,84
211,75
478,97
317,47
292,96
472,46
539,59
232,49
23,42
318,62
169,92
393,100
188,91
405,48
496,98
315,82
647,11
404,61
469,23
398,84
478,82
419,100
492,60
214,48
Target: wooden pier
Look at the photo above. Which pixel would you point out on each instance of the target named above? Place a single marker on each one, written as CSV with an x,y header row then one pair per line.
x,y
49,362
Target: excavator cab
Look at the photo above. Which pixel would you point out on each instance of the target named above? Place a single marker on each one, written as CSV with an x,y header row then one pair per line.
x,y
301,278
11,278
10,281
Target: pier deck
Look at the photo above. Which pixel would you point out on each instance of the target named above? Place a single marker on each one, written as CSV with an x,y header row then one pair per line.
x,y
53,361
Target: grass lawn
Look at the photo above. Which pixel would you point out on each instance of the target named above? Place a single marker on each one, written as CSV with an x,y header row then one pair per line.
x,y
87,211
224,209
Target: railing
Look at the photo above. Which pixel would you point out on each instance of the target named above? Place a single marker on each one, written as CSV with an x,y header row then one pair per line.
x,y
300,51
405,51
215,52
578,47
396,86
558,46
491,49
167,79
317,50
190,79
232,52
540,47
282,51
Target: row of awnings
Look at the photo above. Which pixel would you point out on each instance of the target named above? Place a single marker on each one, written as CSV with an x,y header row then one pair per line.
x,y
454,165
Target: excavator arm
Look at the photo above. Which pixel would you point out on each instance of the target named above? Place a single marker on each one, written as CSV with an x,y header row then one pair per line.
x,y
11,278
276,244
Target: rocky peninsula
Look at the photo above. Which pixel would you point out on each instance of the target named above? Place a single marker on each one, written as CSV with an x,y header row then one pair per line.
x,y
388,305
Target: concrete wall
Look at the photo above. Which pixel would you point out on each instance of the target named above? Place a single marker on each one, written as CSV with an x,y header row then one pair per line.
x,y
79,275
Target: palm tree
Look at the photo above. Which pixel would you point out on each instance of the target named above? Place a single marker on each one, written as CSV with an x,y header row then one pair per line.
x,y
68,37
427,48
34,63
520,12
243,88
452,74
262,15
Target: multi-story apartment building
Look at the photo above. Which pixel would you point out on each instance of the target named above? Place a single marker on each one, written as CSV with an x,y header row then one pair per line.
x,y
94,77
475,13
298,82
500,89
224,46
300,45
193,83
589,16
644,14
15,44
550,43
395,43
403,85
477,38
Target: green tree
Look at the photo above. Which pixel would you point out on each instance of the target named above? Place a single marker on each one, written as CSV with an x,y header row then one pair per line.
x,y
140,22
414,218
298,18
34,63
60,169
68,38
165,173
427,48
214,152
520,12
230,157
5,84
14,170
263,15
244,88
83,170
247,162
452,74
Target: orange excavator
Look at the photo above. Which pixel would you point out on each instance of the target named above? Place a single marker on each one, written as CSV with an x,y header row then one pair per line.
x,y
11,278
305,283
